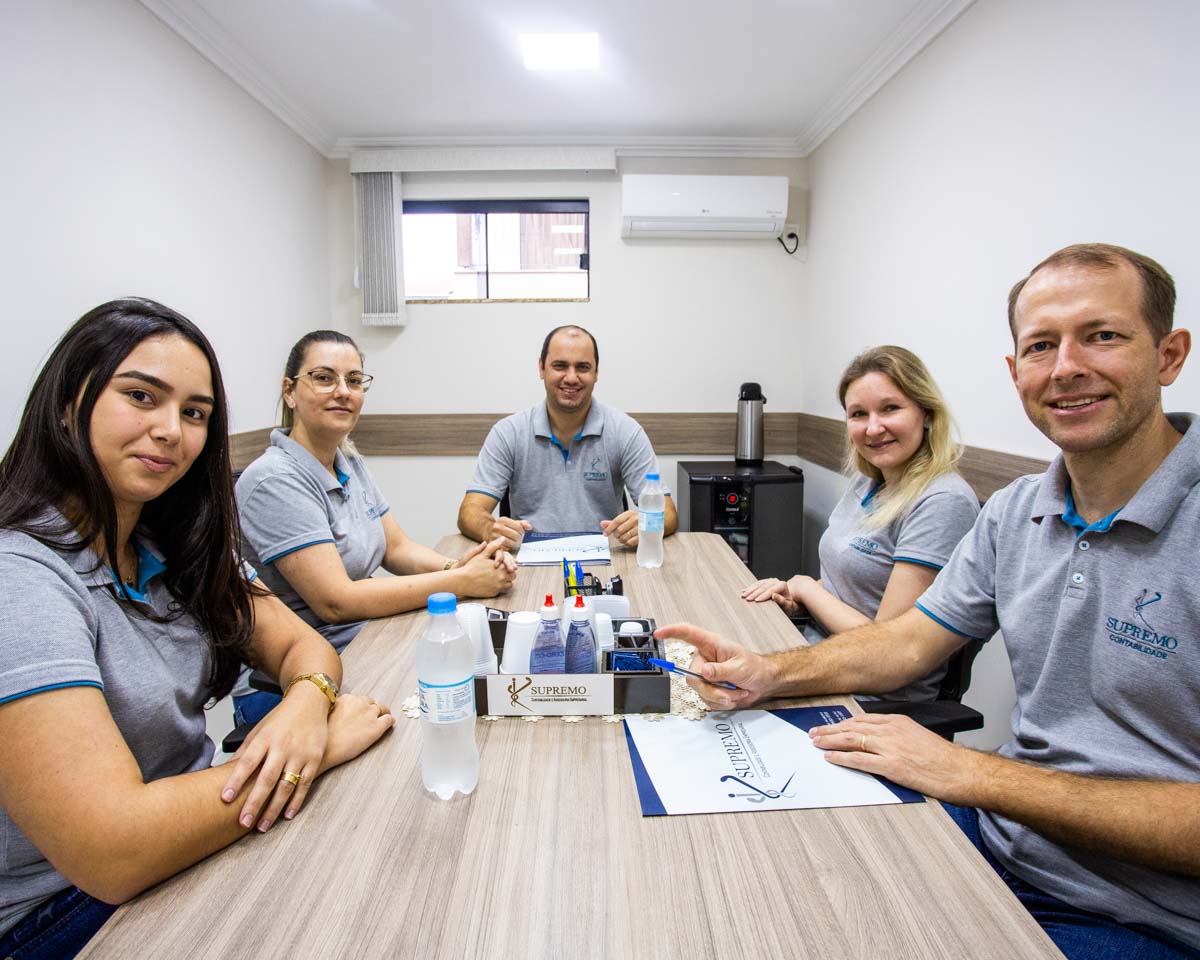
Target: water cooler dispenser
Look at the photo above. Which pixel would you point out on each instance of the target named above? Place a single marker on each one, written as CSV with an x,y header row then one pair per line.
x,y
757,508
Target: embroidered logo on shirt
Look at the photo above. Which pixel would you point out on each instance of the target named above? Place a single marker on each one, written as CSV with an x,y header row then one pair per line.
x,y
863,545
1142,639
593,472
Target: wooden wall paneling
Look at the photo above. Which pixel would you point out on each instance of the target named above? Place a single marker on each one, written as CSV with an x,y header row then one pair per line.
x,y
820,440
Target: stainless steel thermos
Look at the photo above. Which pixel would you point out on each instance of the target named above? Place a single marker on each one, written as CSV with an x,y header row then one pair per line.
x,y
748,447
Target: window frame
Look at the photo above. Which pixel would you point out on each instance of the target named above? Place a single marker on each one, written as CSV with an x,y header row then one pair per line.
x,y
485,207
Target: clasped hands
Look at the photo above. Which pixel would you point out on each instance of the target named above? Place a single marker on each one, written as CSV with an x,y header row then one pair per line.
x,y
300,737
890,745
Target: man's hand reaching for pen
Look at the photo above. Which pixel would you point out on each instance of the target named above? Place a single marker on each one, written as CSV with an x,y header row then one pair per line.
x,y
718,659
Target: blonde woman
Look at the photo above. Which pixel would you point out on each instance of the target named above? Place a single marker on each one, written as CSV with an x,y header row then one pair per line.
x,y
901,517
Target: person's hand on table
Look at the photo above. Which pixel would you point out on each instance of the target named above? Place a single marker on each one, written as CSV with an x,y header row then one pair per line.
x,y
624,526
356,723
765,590
489,571
718,659
292,739
899,748
513,531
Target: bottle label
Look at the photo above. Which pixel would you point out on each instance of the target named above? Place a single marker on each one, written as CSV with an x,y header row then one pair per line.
x,y
650,521
447,702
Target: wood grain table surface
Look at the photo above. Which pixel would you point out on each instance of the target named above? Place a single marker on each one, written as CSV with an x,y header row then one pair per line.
x,y
550,857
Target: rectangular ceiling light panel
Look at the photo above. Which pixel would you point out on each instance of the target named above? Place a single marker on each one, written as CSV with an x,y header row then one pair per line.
x,y
561,51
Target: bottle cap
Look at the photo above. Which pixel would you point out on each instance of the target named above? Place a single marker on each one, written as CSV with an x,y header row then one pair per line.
x,y
579,610
442,603
549,608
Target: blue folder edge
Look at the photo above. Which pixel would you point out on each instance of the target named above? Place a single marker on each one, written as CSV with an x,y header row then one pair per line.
x,y
803,717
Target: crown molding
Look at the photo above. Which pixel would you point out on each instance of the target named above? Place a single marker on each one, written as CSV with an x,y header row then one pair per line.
x,y
215,44
915,32
923,24
772,147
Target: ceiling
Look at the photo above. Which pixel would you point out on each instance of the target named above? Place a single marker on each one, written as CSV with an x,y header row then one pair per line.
x,y
697,77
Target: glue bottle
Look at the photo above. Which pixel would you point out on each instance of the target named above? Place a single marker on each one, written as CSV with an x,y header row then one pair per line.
x,y
581,642
549,652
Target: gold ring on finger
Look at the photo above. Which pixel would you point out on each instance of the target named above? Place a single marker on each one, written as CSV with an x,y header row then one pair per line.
x,y
863,744
292,778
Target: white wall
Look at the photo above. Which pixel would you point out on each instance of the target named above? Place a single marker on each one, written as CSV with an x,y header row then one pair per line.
x,y
134,167
1025,127
680,324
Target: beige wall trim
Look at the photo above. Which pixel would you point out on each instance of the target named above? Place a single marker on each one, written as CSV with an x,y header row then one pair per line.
x,y
818,439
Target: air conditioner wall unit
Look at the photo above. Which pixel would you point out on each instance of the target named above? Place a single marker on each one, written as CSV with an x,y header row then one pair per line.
x,y
703,207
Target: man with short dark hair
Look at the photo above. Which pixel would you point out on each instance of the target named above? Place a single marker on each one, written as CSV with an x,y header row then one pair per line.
x,y
1091,812
564,462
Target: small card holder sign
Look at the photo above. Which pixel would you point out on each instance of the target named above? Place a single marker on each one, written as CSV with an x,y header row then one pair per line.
x,y
626,683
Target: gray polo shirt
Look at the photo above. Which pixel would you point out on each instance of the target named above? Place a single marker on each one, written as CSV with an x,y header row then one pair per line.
x,y
63,624
857,562
287,501
1102,626
559,490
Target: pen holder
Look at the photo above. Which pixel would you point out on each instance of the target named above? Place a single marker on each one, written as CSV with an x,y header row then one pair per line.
x,y
636,686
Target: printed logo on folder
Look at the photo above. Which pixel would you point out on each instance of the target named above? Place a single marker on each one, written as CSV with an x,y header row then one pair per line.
x,y
746,760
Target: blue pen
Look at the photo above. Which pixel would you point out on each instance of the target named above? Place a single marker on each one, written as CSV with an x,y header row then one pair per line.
x,y
671,668
566,572
579,573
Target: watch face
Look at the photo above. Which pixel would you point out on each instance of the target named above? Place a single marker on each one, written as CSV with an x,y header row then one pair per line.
x,y
328,680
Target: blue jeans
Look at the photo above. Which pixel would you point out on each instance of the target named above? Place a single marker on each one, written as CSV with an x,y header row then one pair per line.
x,y
58,929
254,706
1078,934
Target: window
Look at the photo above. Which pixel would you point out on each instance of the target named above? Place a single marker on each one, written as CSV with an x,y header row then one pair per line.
x,y
478,250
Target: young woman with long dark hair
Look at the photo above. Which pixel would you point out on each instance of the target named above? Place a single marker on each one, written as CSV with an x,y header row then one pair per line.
x,y
125,610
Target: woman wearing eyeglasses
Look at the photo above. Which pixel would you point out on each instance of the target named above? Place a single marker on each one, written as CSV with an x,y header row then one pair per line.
x,y
316,527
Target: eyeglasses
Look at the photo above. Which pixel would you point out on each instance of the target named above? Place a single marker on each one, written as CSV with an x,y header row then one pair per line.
x,y
324,380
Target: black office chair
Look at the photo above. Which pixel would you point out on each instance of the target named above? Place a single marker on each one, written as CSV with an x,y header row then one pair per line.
x,y
236,736
946,715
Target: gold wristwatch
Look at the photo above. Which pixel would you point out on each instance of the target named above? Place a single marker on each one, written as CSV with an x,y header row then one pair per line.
x,y
323,682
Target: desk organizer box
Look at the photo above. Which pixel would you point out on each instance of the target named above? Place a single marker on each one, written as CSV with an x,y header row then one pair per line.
x,y
608,691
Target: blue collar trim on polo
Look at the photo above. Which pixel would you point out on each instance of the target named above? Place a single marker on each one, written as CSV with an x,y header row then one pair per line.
x,y
593,426
1073,519
150,565
1155,502
871,494
311,465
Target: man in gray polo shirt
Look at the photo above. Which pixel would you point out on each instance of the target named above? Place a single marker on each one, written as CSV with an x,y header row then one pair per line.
x,y
564,463
1091,812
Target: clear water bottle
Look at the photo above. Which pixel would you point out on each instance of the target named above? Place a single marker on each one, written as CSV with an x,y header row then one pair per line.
x,y
581,642
446,682
549,653
652,507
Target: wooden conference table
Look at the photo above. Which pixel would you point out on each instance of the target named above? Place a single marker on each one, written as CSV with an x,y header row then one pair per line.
x,y
551,857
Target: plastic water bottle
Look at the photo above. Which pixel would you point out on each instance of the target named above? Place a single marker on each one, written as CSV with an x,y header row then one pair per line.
x,y
581,642
652,507
549,651
446,681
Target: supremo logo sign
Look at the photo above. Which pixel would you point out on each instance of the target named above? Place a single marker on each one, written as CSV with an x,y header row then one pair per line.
x,y
743,758
550,694
1141,636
